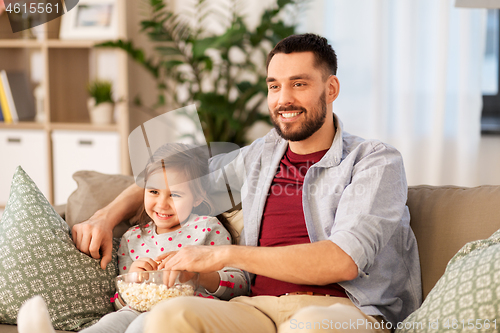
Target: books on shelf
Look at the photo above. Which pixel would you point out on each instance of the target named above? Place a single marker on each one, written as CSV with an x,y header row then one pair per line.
x,y
5,106
1,114
16,97
8,95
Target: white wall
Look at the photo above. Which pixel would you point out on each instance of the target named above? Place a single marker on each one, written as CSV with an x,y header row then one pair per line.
x,y
488,164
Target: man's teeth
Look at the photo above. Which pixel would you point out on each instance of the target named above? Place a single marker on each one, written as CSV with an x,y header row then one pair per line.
x,y
290,114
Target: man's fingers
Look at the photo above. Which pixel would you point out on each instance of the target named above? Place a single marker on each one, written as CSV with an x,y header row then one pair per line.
x,y
169,262
170,278
161,257
96,242
86,244
83,237
76,236
107,250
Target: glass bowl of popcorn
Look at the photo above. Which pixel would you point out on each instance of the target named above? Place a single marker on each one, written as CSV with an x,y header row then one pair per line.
x,y
142,290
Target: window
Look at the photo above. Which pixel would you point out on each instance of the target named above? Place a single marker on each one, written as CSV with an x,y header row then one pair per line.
x,y
490,119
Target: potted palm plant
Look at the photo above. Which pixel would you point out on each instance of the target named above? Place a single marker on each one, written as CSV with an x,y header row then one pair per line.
x,y
223,74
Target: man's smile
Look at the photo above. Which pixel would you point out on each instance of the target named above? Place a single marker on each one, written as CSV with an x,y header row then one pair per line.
x,y
290,114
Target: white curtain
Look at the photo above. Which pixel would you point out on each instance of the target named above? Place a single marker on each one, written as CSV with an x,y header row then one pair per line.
x,y
410,75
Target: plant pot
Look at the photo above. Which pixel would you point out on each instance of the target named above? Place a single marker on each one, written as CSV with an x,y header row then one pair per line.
x,y
101,114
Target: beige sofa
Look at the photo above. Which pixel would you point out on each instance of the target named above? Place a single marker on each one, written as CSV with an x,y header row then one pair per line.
x,y
443,218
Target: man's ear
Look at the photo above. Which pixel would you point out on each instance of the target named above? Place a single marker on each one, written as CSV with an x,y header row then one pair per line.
x,y
333,88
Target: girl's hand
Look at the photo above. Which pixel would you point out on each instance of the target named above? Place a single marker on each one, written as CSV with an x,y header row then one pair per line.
x,y
143,264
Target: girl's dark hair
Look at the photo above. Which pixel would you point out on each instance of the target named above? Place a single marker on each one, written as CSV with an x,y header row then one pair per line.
x,y
192,162
324,54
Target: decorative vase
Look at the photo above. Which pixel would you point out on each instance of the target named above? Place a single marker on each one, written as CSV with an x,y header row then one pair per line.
x,y
100,114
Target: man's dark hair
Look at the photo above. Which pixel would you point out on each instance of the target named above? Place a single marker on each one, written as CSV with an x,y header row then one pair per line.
x,y
323,52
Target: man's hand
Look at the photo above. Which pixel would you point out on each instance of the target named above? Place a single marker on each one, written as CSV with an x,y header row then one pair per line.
x,y
209,280
201,259
94,237
163,258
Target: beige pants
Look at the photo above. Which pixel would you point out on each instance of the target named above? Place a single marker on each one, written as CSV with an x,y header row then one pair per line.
x,y
261,314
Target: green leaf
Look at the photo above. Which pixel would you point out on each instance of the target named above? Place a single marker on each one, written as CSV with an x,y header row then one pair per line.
x,y
172,63
283,3
201,45
137,101
209,64
168,50
244,86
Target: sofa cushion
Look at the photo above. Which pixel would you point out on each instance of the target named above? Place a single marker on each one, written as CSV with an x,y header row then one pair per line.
x,y
38,257
95,190
444,218
467,296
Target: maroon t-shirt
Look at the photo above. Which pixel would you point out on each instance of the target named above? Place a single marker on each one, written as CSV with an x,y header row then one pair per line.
x,y
283,222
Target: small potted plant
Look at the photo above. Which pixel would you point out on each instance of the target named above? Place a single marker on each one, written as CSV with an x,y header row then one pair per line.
x,y
101,104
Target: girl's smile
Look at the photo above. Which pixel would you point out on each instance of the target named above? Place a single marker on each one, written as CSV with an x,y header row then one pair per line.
x,y
164,216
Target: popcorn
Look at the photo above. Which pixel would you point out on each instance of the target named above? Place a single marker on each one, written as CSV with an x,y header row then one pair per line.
x,y
143,296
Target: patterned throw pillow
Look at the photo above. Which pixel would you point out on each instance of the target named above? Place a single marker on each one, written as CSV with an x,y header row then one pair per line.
x,y
38,257
467,297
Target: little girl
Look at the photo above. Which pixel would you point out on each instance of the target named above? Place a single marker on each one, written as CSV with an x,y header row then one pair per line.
x,y
174,195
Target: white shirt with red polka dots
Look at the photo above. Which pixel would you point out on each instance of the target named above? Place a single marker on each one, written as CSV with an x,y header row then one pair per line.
x,y
196,230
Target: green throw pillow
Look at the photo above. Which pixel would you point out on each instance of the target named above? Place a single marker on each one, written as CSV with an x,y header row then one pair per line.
x,y
38,257
467,297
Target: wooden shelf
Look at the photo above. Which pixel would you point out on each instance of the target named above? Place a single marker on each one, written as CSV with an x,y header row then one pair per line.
x,y
83,127
21,43
23,125
57,43
61,126
51,43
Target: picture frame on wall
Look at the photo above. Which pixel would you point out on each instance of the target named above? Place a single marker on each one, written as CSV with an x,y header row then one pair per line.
x,y
91,20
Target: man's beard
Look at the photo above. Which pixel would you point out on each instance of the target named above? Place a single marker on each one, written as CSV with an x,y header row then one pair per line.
x,y
308,127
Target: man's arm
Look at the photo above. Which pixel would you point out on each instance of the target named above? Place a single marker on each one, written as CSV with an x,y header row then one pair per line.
x,y
95,236
317,263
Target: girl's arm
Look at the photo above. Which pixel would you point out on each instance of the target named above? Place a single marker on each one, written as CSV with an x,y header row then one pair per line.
x,y
124,260
232,282
229,282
